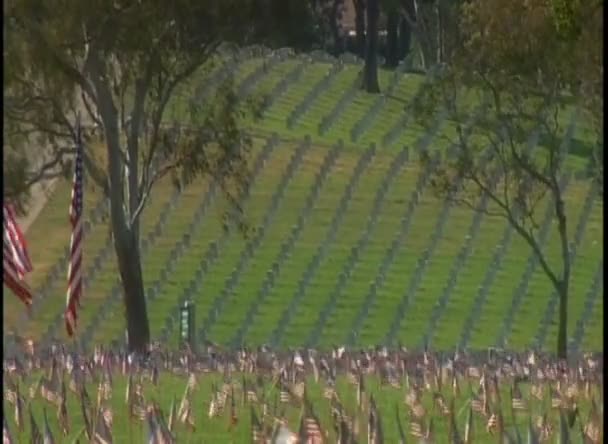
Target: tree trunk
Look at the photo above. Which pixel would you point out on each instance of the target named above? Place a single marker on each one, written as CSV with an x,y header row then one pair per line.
x,y
360,26
336,30
564,283
562,329
370,70
392,47
126,235
129,266
405,39
439,30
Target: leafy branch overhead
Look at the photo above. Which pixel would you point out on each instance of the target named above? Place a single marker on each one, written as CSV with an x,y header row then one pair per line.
x,y
119,66
122,68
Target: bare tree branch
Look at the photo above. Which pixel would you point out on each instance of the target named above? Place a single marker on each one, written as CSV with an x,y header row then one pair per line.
x,y
149,185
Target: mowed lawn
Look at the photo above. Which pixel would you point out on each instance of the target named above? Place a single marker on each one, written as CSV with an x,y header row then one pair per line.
x,y
284,278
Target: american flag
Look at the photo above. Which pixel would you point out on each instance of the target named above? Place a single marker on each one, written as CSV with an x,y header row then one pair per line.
x,y
556,399
234,419
35,434
416,428
310,430
313,431
329,392
15,261
74,292
103,427
63,411
17,243
284,394
477,405
6,433
48,436
492,423
374,424
517,400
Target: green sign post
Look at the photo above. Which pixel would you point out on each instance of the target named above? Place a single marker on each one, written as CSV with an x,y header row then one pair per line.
x,y
186,324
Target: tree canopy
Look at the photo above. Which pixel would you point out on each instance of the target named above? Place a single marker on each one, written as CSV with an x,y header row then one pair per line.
x,y
117,65
513,95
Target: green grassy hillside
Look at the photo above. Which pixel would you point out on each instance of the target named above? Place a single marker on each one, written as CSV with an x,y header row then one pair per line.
x,y
351,245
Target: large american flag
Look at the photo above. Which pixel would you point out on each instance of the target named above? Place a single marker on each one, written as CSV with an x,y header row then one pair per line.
x,y
15,259
74,292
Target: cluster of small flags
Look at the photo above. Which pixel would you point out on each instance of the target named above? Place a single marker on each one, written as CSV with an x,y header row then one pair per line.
x,y
247,378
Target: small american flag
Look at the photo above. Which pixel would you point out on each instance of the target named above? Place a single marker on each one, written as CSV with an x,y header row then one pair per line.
x,y
257,432
48,436
536,390
492,423
352,378
416,428
284,395
35,434
103,428
329,392
592,430
74,293
441,404
298,389
517,401
63,411
234,419
6,434
19,406
556,399
251,394
313,431
310,429
418,410
455,385
49,392
11,391
477,405
544,427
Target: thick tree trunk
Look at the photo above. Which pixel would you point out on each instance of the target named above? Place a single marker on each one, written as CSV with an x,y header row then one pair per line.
x,y
129,266
405,39
392,47
126,235
360,26
370,70
336,14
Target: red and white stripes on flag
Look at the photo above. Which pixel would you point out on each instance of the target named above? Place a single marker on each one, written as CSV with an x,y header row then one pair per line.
x,y
74,292
15,259
17,242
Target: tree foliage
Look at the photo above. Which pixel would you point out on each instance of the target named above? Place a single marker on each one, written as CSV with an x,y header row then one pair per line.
x,y
515,60
118,65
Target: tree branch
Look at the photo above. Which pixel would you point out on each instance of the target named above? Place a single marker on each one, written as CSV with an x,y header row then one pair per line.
x,y
68,70
528,236
146,192
158,113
